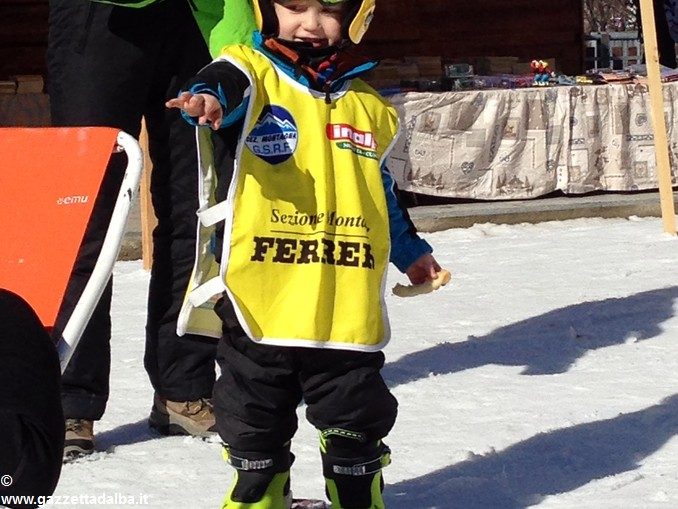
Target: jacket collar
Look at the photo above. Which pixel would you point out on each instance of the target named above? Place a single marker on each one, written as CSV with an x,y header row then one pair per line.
x,y
324,71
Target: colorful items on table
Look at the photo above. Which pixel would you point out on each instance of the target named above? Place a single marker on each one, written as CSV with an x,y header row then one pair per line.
x,y
542,73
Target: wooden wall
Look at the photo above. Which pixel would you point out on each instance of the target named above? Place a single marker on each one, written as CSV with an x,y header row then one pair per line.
x,y
23,37
453,29
458,29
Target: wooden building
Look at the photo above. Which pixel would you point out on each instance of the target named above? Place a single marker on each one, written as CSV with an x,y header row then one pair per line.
x,y
453,29
23,37
459,29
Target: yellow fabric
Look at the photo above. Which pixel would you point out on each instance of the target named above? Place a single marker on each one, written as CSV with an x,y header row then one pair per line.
x,y
307,245
199,317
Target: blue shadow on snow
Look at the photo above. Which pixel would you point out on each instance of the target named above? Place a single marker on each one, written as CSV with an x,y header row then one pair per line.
x,y
546,464
127,434
546,344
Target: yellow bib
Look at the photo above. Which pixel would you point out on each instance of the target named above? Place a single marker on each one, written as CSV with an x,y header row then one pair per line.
x,y
306,242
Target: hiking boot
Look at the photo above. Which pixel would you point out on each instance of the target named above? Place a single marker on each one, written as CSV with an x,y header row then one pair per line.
x,y
195,418
79,438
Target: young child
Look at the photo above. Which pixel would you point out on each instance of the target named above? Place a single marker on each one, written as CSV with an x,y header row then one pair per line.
x,y
311,221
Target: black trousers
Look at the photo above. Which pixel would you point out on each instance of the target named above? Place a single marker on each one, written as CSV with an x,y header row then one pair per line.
x,y
665,43
260,387
109,66
31,420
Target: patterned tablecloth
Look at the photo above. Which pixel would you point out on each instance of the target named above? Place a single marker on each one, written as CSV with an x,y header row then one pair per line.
x,y
523,143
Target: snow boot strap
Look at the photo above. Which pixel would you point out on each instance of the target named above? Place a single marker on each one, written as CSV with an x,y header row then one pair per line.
x,y
262,480
354,481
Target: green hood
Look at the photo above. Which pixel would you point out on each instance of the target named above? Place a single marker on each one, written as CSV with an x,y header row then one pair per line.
x,y
230,22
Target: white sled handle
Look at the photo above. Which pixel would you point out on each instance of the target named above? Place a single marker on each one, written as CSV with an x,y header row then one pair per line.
x,y
109,251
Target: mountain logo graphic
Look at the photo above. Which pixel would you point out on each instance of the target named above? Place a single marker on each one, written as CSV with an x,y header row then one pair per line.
x,y
274,136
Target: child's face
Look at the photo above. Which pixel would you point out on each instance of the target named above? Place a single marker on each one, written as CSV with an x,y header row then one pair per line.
x,y
309,21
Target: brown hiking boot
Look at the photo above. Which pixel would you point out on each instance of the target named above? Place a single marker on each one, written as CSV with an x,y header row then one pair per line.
x,y
79,438
195,418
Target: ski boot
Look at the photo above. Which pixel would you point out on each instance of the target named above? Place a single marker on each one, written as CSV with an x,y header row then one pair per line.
x,y
262,480
352,471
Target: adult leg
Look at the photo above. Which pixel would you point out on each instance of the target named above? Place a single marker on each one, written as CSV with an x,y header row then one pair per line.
x,y
97,77
180,369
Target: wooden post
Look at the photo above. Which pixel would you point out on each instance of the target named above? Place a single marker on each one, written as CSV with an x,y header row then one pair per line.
x,y
148,220
661,145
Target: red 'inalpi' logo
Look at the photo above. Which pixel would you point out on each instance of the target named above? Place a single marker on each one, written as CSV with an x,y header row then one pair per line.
x,y
360,138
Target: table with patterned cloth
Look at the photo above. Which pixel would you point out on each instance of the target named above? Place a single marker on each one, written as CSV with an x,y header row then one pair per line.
x,y
523,143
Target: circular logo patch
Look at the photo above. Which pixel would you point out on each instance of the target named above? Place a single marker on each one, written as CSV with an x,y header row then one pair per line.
x,y
274,136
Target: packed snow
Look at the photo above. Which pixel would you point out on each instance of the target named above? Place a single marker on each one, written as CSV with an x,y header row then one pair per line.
x,y
544,375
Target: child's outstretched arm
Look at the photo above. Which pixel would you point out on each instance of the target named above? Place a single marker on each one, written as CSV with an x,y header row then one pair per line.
x,y
204,107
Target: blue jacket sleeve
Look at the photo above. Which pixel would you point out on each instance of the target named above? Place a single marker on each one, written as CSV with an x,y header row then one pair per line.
x,y
406,245
228,84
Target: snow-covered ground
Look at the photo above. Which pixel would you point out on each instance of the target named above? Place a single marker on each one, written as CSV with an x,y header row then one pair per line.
x,y
545,374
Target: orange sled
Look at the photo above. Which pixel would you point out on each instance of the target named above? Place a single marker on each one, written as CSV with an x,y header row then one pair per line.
x,y
49,181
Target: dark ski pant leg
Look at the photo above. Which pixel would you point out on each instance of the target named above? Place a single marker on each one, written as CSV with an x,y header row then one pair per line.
x,y
256,396
85,383
260,386
180,368
31,420
108,66
345,390
96,77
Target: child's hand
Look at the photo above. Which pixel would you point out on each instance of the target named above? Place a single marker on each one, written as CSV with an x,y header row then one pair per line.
x,y
204,106
423,269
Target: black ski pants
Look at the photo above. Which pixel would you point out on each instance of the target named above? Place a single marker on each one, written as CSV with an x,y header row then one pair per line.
x,y
109,66
260,387
31,421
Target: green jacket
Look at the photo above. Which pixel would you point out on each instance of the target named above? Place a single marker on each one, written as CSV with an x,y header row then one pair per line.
x,y
221,22
225,22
